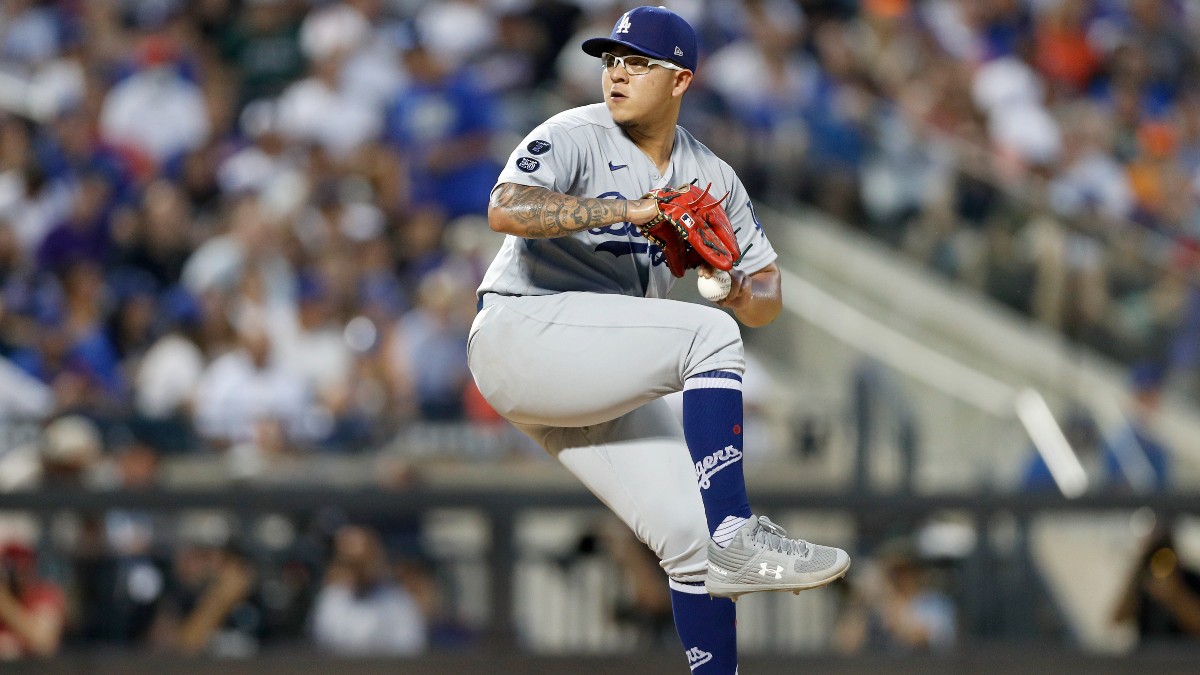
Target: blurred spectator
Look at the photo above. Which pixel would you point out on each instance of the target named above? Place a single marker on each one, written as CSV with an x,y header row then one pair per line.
x,y
360,610
895,608
1087,442
420,576
261,455
156,114
84,235
289,583
372,70
30,32
443,123
1019,126
248,247
1062,51
132,319
71,450
209,605
66,455
319,110
245,386
1176,326
839,120
1162,596
769,86
429,347
1128,459
160,241
267,161
308,344
74,355
32,199
883,417
575,70
166,378
21,396
1144,462
456,31
333,226
263,46
118,577
513,63
32,609
1150,315
1089,172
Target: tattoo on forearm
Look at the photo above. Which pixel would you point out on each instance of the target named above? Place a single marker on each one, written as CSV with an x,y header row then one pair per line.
x,y
542,213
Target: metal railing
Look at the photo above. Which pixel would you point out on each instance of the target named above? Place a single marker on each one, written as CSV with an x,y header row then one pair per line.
x,y
999,591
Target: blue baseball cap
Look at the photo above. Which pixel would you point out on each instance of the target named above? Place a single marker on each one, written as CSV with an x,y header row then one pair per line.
x,y
652,31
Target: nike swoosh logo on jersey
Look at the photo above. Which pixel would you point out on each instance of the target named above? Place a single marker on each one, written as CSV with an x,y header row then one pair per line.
x,y
614,167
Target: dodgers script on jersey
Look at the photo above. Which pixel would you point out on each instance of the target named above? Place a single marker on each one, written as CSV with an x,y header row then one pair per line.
x,y
582,152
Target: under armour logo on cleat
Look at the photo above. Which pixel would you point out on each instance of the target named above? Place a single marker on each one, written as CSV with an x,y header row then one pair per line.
x,y
765,569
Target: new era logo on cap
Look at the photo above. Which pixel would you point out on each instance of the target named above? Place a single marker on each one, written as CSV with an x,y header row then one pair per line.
x,y
653,31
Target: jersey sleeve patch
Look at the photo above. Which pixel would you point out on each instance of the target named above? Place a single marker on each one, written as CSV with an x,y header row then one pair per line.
x,y
538,147
528,164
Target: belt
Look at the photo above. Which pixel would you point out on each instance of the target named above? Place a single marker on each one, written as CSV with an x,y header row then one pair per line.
x,y
489,297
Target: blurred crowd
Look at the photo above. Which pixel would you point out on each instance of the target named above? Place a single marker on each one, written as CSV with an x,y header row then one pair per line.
x,y
205,588
1044,151
248,226
255,227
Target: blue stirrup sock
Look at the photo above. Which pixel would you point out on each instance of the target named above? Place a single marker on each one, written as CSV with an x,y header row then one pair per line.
x,y
712,427
707,628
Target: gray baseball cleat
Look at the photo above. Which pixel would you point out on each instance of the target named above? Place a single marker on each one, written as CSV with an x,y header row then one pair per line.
x,y
762,558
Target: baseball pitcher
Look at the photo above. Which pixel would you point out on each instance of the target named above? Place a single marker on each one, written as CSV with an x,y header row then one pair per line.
x,y
605,206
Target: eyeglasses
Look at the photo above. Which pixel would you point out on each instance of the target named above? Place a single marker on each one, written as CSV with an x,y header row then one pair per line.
x,y
635,64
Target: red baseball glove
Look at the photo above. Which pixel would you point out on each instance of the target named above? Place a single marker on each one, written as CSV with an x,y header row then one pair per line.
x,y
691,228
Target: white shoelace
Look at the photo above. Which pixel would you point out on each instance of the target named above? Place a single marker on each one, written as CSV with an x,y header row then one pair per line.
x,y
775,538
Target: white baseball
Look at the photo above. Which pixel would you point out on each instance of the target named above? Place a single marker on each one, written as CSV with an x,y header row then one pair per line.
x,y
716,287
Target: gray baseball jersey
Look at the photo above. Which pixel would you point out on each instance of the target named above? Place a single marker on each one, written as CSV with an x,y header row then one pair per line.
x,y
582,152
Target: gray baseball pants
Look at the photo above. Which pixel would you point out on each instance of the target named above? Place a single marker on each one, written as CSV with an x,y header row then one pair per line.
x,y
582,374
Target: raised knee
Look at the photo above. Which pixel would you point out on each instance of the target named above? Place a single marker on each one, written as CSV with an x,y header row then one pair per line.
x,y
722,325
718,344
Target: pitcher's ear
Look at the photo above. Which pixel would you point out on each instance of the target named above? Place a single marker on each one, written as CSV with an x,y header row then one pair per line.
x,y
683,80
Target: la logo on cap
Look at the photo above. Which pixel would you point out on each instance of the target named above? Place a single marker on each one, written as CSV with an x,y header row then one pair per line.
x,y
625,25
